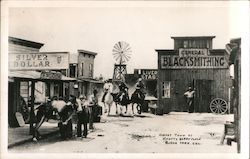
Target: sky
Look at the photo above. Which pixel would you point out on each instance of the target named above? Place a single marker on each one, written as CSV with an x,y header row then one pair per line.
x,y
144,28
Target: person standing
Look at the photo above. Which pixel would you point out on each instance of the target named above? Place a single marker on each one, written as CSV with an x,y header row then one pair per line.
x,y
83,114
93,102
190,99
139,86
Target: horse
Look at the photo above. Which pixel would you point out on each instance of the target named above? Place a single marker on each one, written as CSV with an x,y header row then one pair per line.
x,y
46,111
108,100
137,97
122,98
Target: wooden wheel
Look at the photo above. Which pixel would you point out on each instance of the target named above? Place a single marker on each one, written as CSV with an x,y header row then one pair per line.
x,y
218,106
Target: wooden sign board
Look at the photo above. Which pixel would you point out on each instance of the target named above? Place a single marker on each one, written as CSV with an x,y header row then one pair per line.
x,y
19,118
191,62
149,74
39,61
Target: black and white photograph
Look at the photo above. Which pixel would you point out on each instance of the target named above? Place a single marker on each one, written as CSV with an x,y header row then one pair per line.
x,y
125,79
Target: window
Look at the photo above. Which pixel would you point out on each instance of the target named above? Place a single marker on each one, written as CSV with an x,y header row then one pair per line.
x,y
72,70
185,44
90,70
82,69
166,89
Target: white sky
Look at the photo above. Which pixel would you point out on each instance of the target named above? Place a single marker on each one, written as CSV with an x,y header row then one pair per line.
x,y
144,28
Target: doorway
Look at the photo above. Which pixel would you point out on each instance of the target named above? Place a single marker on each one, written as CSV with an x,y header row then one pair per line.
x,y
202,95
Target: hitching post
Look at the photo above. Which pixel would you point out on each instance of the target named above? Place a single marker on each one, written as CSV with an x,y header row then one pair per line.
x,y
32,113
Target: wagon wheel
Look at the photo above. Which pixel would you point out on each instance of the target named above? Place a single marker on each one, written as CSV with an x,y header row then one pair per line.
x,y
218,106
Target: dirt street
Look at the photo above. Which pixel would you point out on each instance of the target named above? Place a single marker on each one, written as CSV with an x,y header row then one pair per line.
x,y
147,133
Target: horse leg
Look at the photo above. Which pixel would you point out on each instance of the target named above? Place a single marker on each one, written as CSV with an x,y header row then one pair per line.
x,y
126,109
133,108
116,108
36,133
139,108
105,107
109,109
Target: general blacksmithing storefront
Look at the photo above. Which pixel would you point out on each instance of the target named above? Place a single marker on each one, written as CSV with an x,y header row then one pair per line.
x,y
192,63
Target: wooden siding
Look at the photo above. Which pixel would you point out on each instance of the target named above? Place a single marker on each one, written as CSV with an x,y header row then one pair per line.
x,y
180,80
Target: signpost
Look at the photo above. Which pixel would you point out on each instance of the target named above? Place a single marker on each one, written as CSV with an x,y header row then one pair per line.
x,y
39,61
149,74
193,59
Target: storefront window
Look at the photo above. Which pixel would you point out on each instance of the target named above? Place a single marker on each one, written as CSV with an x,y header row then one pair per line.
x,y
166,89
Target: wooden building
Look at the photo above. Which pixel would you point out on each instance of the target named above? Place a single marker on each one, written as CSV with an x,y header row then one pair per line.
x,y
193,62
82,67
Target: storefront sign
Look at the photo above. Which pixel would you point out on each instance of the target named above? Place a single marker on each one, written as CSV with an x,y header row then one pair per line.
x,y
39,61
51,75
193,52
149,74
189,62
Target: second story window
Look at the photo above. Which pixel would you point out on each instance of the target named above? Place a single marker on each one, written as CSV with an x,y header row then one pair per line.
x,y
72,70
90,70
82,71
185,44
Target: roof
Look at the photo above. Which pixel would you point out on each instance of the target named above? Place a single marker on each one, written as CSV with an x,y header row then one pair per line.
x,y
217,51
25,42
192,37
89,80
87,52
34,75
24,74
170,52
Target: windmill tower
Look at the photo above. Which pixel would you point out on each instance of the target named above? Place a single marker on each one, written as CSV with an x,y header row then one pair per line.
x,y
121,53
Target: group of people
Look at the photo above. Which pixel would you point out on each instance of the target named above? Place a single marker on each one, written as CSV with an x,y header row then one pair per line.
x,y
79,111
123,88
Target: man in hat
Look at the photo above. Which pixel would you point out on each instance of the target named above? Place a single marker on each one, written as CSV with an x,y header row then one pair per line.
x,y
108,87
190,99
83,115
139,86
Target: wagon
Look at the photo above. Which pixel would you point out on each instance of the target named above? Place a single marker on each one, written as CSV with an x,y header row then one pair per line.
x,y
218,106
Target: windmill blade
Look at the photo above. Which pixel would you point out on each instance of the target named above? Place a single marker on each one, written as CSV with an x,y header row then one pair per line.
x,y
126,58
125,47
128,49
120,45
117,47
115,52
118,57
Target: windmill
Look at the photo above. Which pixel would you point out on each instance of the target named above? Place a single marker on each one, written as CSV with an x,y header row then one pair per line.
x,y
121,53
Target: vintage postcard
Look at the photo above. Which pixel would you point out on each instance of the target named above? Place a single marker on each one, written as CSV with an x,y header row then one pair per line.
x,y
124,79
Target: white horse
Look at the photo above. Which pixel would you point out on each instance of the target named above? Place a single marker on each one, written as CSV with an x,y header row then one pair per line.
x,y
108,100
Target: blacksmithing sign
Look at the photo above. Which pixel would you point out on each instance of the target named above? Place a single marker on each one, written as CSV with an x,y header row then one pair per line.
x,y
189,62
39,61
149,74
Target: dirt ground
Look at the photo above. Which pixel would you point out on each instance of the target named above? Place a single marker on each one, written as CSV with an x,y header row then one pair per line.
x,y
145,133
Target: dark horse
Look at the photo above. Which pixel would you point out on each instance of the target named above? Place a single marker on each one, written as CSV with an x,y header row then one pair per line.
x,y
121,98
137,98
46,111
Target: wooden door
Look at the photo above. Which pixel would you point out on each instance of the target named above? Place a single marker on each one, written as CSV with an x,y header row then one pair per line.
x,y
202,95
